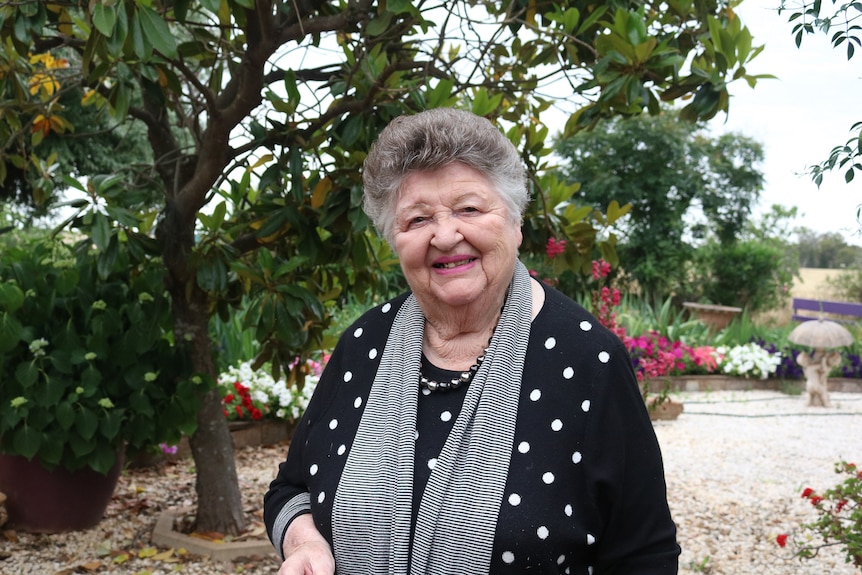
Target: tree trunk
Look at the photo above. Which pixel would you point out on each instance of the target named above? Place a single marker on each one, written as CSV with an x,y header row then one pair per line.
x,y
219,504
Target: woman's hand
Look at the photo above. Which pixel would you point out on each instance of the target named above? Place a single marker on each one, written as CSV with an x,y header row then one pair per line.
x,y
306,552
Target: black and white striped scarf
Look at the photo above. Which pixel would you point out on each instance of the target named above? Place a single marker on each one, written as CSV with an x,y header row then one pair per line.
x,y
458,513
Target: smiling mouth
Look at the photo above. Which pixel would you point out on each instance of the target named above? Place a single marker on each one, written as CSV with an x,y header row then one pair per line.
x,y
455,264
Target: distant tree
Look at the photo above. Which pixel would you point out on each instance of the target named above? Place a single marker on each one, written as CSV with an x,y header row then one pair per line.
x,y
667,169
827,250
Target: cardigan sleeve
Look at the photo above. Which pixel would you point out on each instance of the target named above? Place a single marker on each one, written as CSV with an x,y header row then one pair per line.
x,y
636,533
288,495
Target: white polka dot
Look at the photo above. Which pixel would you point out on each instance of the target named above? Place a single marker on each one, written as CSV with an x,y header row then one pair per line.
x,y
548,477
523,447
333,424
586,326
321,496
348,375
590,570
446,416
568,373
576,457
514,499
604,356
535,395
542,532
432,463
425,391
550,343
416,435
585,405
357,402
590,539
313,469
568,510
386,307
372,353
341,449
357,332
556,425
568,570
508,557
561,559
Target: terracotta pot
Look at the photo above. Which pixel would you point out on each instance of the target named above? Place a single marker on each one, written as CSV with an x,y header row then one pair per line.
x,y
42,501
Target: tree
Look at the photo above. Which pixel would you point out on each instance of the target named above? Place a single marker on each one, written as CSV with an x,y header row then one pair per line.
x,y
260,111
667,169
842,21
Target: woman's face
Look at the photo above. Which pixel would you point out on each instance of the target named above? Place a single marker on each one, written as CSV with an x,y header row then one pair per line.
x,y
454,237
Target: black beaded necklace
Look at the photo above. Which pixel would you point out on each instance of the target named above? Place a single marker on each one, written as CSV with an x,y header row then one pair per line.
x,y
464,379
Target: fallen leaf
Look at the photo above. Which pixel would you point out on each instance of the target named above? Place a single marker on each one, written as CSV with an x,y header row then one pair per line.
x,y
147,552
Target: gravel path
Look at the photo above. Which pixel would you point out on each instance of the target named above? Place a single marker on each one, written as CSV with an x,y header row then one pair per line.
x,y
735,464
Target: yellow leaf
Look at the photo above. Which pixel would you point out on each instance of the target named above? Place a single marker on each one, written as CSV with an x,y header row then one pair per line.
x,y
147,552
165,555
318,196
121,558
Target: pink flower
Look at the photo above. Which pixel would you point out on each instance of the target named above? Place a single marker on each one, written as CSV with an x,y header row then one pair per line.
x,y
555,247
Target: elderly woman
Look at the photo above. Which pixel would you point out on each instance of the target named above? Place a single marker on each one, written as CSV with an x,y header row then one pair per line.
x,y
483,422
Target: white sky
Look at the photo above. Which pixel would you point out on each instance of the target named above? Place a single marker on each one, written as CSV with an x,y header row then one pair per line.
x,y
799,117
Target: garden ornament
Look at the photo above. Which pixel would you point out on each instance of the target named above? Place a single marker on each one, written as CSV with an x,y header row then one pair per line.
x,y
821,335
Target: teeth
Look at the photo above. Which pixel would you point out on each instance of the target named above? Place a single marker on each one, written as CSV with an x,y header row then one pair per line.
x,y
451,265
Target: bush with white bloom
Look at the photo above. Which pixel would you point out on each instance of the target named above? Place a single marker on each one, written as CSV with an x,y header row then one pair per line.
x,y
250,394
748,360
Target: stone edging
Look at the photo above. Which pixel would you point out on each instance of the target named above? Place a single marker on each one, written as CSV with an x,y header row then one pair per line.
x,y
725,383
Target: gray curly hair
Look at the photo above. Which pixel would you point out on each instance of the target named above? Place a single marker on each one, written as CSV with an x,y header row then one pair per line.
x,y
434,139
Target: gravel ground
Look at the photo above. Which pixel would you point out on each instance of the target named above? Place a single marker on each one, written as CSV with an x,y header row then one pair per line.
x,y
735,464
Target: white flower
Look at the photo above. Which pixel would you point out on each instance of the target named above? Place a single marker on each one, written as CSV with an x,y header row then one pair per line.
x,y
284,402
748,360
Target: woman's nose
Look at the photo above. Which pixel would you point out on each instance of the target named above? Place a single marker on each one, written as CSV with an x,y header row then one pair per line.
x,y
446,233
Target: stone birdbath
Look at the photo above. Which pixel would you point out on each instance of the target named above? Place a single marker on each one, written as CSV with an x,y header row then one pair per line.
x,y
822,335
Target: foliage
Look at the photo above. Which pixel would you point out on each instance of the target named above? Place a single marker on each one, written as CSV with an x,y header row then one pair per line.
x,y
841,21
847,286
87,365
747,274
250,394
839,520
828,250
262,112
668,170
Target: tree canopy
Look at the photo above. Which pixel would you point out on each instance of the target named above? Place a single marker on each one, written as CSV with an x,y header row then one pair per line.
x,y
258,114
682,185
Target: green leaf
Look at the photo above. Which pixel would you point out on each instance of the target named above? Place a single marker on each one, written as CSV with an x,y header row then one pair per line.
x,y
11,297
26,441
26,373
65,415
156,30
379,25
86,423
104,18
101,232
11,332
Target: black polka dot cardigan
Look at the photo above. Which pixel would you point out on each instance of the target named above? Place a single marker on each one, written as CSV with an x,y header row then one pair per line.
x,y
585,490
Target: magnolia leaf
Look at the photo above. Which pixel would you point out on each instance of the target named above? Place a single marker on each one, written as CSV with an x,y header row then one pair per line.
x,y
104,18
156,30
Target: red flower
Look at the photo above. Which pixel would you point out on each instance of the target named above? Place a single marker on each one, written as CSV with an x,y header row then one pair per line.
x,y
840,505
229,398
238,410
555,247
256,413
781,540
815,499
808,492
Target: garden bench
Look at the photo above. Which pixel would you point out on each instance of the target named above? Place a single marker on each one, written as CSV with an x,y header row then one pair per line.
x,y
806,309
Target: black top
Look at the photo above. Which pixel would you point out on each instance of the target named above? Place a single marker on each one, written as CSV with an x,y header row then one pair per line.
x,y
585,491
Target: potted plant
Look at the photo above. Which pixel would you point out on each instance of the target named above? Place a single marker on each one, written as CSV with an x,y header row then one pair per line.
x,y
88,370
